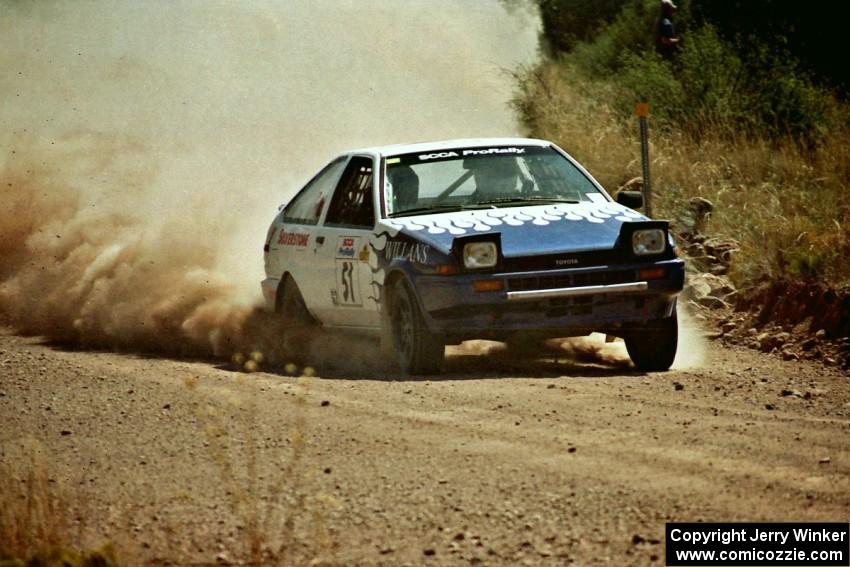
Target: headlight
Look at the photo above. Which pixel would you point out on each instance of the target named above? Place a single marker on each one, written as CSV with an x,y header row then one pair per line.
x,y
650,241
480,255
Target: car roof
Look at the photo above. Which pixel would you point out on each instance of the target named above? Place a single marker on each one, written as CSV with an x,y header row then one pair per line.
x,y
398,149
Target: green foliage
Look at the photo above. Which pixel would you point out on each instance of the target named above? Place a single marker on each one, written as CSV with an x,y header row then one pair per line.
x,y
65,557
705,86
808,264
748,88
629,34
568,22
786,101
813,37
713,79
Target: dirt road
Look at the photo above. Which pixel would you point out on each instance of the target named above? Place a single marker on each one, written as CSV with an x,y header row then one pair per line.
x,y
499,463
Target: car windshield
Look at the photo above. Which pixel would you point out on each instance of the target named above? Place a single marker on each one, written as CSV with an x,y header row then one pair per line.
x,y
486,177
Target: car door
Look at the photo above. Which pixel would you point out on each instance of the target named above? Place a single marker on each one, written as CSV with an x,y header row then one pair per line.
x,y
343,256
292,241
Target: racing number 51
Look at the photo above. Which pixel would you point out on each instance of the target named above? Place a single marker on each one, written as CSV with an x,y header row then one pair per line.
x,y
347,288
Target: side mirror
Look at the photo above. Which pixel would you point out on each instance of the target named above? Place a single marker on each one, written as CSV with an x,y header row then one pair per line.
x,y
630,199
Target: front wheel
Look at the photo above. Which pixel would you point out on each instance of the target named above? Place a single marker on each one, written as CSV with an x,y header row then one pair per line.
x,y
653,348
418,351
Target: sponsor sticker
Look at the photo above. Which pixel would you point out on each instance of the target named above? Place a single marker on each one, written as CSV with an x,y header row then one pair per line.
x,y
413,251
292,238
470,152
364,253
346,247
438,155
491,151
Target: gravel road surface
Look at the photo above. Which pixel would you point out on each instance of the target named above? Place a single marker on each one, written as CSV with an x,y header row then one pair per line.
x,y
497,462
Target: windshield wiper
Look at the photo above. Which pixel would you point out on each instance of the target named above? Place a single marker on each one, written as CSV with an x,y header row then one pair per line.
x,y
434,208
525,200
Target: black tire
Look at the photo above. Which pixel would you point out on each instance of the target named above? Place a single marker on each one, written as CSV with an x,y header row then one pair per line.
x,y
417,350
653,348
298,326
523,345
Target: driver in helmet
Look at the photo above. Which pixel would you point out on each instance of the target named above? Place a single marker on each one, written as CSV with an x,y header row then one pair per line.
x,y
405,185
495,177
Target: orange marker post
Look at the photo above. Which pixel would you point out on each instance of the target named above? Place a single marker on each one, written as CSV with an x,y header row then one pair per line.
x,y
642,112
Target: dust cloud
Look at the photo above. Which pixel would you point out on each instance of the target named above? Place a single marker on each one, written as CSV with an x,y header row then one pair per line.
x,y
147,145
692,341
595,348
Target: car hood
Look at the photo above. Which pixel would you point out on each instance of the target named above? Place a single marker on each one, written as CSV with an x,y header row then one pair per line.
x,y
524,231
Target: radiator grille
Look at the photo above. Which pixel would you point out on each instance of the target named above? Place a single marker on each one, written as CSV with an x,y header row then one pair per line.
x,y
608,277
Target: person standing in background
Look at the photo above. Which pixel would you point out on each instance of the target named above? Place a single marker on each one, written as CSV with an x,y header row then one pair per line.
x,y
666,41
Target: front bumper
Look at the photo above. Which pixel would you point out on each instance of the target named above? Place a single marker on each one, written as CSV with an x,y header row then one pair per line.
x,y
565,302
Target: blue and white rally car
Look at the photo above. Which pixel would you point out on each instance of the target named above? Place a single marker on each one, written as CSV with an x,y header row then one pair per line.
x,y
432,244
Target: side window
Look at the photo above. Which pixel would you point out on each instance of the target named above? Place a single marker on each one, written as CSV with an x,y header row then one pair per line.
x,y
306,207
352,204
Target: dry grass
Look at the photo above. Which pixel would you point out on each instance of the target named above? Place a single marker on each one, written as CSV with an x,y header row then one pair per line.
x,y
787,206
35,519
268,488
268,493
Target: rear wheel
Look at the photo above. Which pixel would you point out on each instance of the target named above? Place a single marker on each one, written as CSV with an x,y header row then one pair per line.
x,y
418,351
299,327
653,347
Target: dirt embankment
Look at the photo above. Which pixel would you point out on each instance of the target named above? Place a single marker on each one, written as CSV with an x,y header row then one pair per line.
x,y
794,319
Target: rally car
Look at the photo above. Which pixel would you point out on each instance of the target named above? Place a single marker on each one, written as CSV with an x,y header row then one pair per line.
x,y
430,244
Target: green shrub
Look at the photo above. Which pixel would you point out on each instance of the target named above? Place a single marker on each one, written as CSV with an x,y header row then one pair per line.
x,y
751,88
603,56
568,22
785,99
